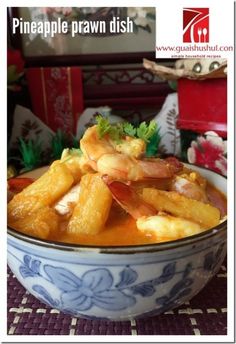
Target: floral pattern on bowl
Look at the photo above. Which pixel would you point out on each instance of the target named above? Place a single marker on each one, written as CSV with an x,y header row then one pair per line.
x,y
115,291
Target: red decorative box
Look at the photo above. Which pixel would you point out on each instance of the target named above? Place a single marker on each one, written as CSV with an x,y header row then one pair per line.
x,y
57,96
203,105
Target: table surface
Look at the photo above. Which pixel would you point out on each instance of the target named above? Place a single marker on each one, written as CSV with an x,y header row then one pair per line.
x,y
205,314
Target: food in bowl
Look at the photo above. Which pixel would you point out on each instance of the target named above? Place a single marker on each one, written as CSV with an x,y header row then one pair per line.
x,y
119,271
118,282
107,193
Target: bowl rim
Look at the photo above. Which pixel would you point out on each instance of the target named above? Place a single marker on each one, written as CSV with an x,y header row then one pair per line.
x,y
124,249
154,247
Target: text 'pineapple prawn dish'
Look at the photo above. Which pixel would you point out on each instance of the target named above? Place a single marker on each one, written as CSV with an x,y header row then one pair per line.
x,y
109,193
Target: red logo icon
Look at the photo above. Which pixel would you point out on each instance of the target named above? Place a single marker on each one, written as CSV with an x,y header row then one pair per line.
x,y
196,25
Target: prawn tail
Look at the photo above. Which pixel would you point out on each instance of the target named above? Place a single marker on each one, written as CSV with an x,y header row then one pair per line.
x,y
128,199
16,185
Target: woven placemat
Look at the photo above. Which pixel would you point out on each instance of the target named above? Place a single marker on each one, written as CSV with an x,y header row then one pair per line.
x,y
205,314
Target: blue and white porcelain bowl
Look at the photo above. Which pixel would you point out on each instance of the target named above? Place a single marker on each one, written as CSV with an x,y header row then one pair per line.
x,y
118,283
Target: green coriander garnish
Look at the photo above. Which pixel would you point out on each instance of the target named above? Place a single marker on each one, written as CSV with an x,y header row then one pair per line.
x,y
148,132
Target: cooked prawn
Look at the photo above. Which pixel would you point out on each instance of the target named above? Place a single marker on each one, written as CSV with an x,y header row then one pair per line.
x,y
16,185
94,147
128,199
124,161
147,218
189,188
168,226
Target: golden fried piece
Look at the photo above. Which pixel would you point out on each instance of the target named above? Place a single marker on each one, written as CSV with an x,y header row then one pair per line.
x,y
178,205
41,223
43,192
92,210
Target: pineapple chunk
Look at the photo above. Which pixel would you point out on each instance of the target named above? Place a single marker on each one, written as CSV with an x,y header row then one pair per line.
x,y
41,224
45,191
92,210
178,205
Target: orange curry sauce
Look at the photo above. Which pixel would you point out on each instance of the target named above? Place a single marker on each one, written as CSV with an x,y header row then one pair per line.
x,y
121,228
